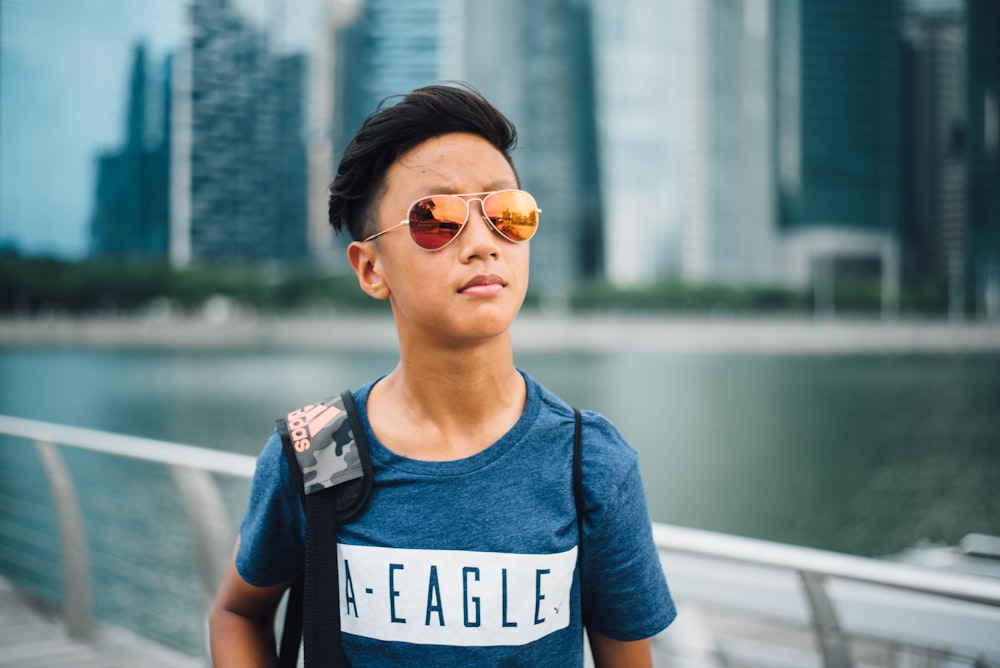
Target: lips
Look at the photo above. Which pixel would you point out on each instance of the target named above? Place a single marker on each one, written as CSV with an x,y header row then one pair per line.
x,y
484,284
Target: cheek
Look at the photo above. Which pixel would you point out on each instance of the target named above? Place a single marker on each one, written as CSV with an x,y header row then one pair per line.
x,y
521,260
415,273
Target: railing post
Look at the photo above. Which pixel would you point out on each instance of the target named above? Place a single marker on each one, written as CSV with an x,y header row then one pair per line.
x,y
72,538
832,642
207,515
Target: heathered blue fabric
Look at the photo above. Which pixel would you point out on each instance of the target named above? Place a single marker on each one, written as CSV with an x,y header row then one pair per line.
x,y
515,497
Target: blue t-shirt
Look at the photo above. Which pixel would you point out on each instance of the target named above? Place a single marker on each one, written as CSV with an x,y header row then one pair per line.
x,y
473,562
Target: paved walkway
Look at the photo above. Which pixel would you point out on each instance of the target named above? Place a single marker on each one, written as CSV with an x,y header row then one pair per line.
x,y
32,635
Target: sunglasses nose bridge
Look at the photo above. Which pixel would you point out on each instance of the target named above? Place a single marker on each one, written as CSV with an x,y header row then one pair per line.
x,y
480,210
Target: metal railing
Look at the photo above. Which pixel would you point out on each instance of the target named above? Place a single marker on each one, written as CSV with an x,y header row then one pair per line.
x,y
829,614
841,597
191,469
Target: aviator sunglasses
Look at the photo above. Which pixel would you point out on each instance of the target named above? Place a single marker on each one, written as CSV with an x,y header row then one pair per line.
x,y
436,220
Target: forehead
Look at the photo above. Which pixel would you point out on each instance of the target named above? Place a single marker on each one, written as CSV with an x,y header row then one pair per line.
x,y
450,163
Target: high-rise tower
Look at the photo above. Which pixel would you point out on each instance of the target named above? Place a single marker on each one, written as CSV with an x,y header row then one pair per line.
x,y
130,217
838,140
239,158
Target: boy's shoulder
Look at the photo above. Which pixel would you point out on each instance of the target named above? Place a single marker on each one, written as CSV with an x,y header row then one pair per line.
x,y
602,441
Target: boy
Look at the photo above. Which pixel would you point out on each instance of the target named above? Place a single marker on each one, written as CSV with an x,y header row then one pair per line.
x,y
467,554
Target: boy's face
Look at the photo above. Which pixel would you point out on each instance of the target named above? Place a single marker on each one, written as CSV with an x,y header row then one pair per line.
x,y
472,288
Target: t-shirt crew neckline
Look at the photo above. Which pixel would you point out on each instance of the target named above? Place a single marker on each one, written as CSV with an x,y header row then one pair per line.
x,y
386,457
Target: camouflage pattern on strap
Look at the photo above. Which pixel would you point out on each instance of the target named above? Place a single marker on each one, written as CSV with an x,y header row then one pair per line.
x,y
324,445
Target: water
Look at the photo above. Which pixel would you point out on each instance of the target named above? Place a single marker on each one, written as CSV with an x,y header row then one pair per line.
x,y
863,454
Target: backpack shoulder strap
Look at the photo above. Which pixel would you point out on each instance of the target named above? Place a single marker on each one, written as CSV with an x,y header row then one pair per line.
x,y
326,448
578,470
578,494
329,460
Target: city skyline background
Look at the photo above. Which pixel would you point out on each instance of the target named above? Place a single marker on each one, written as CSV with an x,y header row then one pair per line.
x,y
759,142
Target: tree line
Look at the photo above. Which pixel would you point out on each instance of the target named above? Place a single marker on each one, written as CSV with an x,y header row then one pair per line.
x,y
32,286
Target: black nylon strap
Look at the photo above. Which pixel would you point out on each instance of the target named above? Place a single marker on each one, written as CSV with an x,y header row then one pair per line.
x,y
353,498
321,600
578,499
313,608
291,633
578,472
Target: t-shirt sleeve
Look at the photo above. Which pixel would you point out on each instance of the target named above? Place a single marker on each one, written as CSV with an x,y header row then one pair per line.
x,y
625,593
272,536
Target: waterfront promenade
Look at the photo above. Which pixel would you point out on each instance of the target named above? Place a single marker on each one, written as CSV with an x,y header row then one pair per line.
x,y
531,332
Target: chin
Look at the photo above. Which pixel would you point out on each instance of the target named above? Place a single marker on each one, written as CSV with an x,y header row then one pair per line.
x,y
483,326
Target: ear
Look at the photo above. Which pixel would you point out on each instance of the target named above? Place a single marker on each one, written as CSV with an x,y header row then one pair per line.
x,y
365,260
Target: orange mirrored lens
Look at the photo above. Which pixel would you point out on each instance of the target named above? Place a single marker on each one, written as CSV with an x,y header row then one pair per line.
x,y
513,213
434,221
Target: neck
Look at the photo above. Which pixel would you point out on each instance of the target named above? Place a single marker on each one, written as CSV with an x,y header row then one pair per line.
x,y
447,403
475,378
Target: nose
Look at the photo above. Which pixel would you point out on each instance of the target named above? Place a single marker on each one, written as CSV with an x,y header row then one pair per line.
x,y
479,239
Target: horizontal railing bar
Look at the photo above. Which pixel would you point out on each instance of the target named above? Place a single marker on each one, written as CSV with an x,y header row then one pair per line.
x,y
135,447
956,586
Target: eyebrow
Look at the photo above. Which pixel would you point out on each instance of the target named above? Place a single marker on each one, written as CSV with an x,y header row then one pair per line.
x,y
491,187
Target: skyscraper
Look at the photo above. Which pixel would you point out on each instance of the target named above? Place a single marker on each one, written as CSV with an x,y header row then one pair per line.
x,y
130,216
686,127
650,104
239,157
740,242
935,219
325,120
391,47
982,142
838,137
952,222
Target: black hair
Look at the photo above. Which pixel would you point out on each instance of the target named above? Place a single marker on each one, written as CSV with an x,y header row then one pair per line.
x,y
391,130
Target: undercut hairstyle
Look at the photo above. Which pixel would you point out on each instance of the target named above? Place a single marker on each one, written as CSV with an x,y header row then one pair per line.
x,y
393,129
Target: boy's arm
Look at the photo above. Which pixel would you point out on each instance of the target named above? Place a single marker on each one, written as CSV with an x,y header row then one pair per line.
x,y
610,653
241,622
